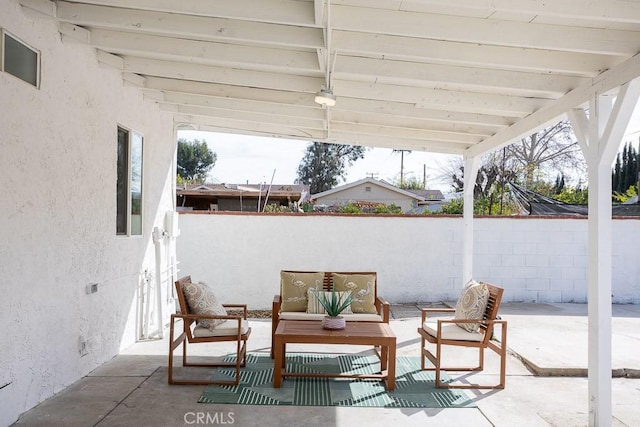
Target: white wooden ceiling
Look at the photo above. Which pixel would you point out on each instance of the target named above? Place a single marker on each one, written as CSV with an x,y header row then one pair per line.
x,y
449,76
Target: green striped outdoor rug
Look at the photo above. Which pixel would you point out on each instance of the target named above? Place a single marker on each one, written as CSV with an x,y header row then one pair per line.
x,y
414,388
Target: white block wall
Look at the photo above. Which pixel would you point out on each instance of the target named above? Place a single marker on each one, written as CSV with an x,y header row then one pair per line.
x,y
418,259
57,216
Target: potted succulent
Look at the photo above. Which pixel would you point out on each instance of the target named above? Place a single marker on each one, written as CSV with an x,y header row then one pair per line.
x,y
334,304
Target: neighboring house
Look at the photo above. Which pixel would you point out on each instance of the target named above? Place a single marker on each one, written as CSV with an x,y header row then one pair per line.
x,y
237,197
372,192
434,199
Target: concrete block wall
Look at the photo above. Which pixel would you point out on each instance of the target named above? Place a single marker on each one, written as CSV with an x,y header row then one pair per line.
x,y
417,258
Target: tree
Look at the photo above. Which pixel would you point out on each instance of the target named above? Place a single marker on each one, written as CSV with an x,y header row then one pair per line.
x,y
324,163
409,183
554,148
625,170
559,185
527,162
195,160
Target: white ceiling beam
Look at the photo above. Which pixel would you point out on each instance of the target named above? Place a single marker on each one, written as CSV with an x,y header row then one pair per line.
x,y
615,11
454,77
472,54
362,112
110,60
39,8
412,123
250,57
402,109
397,132
318,12
134,80
240,131
244,116
606,82
484,31
239,105
338,137
263,129
152,95
468,102
201,27
236,92
284,11
74,33
368,140
222,75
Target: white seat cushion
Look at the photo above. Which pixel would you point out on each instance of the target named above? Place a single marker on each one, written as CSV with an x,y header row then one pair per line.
x,y
227,328
360,317
450,331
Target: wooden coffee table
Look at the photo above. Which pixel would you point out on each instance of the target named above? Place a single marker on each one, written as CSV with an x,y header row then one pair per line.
x,y
356,333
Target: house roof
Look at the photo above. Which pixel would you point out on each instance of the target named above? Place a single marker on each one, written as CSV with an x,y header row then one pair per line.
x,y
294,191
449,76
372,181
429,194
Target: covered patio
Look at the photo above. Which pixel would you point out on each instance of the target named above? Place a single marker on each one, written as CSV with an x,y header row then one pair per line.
x,y
543,385
462,77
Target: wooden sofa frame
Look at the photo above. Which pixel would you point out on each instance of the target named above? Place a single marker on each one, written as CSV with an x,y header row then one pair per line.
x,y
382,306
487,324
187,336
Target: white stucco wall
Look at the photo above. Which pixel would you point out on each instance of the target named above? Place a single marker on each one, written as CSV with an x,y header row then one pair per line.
x,y
418,259
57,222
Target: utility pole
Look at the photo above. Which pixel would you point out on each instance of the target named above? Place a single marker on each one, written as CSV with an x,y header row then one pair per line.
x,y
401,164
402,168
424,176
372,175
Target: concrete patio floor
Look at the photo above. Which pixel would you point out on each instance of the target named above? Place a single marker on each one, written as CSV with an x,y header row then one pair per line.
x,y
545,383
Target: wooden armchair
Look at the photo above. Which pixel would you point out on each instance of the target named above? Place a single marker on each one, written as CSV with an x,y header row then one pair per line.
x,y
236,328
443,332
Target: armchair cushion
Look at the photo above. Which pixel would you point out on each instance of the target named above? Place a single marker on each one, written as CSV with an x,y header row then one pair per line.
x,y
226,328
363,288
294,287
202,300
472,305
450,331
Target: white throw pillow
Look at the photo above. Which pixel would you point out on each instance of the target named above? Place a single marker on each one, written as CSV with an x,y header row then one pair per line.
x,y
202,300
472,305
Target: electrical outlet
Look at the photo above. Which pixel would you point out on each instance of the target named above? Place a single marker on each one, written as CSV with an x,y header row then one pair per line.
x,y
92,288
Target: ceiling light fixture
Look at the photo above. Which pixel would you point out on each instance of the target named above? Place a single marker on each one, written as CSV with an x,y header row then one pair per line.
x,y
325,97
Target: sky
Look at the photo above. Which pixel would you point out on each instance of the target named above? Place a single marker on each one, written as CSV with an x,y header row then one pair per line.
x,y
248,159
242,159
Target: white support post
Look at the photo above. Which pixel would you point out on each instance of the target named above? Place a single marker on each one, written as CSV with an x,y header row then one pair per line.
x,y
600,138
471,167
599,270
